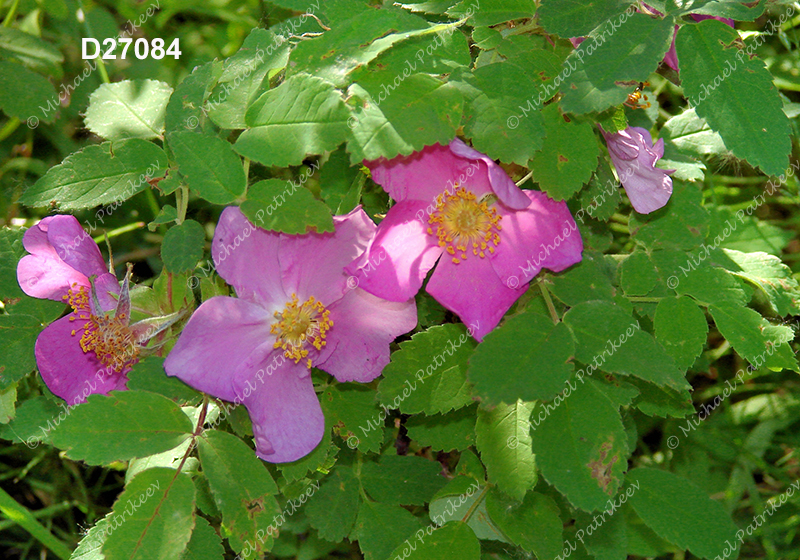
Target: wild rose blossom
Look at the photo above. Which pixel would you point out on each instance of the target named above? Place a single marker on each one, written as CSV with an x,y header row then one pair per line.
x,y
635,156
458,207
294,310
92,348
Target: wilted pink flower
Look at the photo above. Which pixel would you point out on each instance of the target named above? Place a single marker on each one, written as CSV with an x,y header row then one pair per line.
x,y
634,156
91,349
295,310
493,238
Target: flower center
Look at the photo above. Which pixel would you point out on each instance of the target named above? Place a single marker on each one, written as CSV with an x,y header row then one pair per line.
x,y
464,223
108,336
301,324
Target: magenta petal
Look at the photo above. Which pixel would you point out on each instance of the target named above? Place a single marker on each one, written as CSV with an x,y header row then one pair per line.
x,y
363,327
106,285
472,290
287,418
506,190
401,254
74,246
221,345
246,257
701,17
671,58
66,370
35,239
47,277
544,235
313,264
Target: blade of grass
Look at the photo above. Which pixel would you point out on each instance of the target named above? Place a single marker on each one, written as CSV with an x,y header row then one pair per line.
x,y
22,516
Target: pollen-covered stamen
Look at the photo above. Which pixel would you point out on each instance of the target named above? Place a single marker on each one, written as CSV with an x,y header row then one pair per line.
x,y
108,336
300,325
465,224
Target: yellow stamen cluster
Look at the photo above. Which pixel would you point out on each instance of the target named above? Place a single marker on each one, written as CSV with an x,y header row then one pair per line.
x,y
463,222
300,324
108,336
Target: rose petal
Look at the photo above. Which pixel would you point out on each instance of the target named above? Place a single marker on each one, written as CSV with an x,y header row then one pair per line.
x,y
74,246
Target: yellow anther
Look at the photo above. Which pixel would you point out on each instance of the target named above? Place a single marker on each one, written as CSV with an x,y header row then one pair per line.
x,y
462,221
301,324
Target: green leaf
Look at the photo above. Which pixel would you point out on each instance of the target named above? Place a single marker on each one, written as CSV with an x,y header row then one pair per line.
x,y
602,197
680,512
121,426
183,246
380,528
243,490
492,12
739,11
662,401
734,94
341,183
712,286
495,127
205,544
419,111
153,517
148,375
321,459
91,545
534,524
461,496
691,134
286,206
682,224
185,109
31,51
581,446
573,18
304,115
449,432
95,175
351,407
504,441
586,281
568,156
402,480
35,419
612,59
527,358
23,92
609,339
246,75
429,372
212,168
681,328
771,276
332,510
8,400
609,540
128,109
18,335
453,540
754,338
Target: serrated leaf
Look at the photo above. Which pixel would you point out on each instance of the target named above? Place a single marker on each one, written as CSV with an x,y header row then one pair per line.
x,y
304,115
680,512
160,524
185,109
380,528
18,335
568,155
712,286
734,94
120,426
453,540
402,480
504,442
8,400
212,168
23,92
609,540
128,109
692,134
183,246
454,431
771,276
586,281
681,328
754,338
527,358
148,375
429,372
661,401
534,523
638,275
35,420
492,12
243,490
33,52
204,544
609,339
95,175
460,496
286,206
350,407
332,510
574,18
581,446
739,11
682,224
91,545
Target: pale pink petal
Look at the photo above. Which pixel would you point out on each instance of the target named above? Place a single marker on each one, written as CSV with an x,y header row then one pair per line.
x,y
544,235
74,246
472,290
47,277
363,328
401,254
221,346
246,257
285,412
313,264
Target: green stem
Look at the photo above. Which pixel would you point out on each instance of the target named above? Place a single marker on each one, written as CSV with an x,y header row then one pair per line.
x,y
548,300
637,299
182,203
525,178
20,515
9,19
118,231
9,128
89,33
